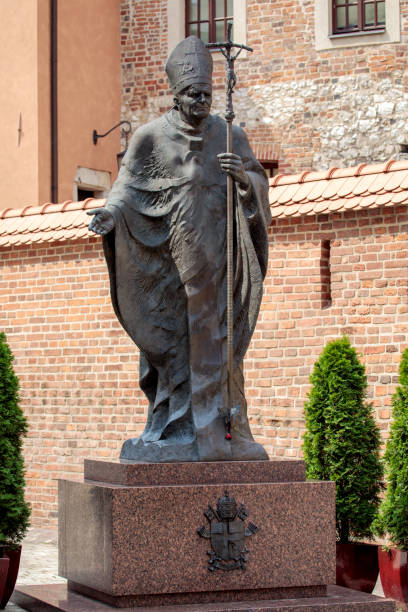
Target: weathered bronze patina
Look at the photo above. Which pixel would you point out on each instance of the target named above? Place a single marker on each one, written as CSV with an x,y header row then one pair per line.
x,y
164,236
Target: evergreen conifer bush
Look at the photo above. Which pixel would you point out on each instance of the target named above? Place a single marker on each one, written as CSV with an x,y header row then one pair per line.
x,y
393,519
342,440
14,511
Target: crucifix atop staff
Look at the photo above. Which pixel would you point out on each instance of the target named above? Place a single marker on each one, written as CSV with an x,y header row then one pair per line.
x,y
226,49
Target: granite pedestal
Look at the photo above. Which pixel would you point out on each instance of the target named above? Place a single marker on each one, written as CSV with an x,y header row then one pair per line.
x,y
128,533
128,539
57,598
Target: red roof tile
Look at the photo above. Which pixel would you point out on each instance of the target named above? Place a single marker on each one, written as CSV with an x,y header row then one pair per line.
x,y
47,223
307,193
339,189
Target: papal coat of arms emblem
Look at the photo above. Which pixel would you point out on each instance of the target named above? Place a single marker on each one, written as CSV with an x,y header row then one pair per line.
x,y
227,534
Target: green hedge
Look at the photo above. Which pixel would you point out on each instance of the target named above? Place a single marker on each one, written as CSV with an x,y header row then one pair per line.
x,y
342,440
393,519
14,511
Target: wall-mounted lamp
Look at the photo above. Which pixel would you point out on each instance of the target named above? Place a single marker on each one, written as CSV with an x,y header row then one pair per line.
x,y
124,132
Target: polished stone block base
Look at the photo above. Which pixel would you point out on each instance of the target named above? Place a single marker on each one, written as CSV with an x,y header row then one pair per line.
x,y
128,534
56,598
179,599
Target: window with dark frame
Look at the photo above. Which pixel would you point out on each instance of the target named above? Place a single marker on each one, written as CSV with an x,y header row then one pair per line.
x,y
325,274
270,167
84,193
208,19
358,15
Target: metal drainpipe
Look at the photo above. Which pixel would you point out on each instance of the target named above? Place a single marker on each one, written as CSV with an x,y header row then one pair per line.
x,y
54,99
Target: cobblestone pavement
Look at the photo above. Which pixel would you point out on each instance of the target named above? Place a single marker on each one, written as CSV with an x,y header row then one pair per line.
x,y
39,558
39,561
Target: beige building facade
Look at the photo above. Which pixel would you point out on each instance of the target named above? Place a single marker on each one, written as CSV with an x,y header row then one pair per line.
x,y
48,115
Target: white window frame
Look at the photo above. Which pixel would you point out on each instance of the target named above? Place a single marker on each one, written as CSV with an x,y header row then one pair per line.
x,y
98,181
324,39
176,22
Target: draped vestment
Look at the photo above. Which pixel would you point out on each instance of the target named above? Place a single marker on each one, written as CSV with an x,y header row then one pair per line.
x,y
167,265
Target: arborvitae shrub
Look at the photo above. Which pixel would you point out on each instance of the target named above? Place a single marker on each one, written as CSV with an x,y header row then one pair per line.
x,y
342,441
393,519
14,511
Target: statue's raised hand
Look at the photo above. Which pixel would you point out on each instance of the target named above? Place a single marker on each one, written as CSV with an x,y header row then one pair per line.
x,y
103,221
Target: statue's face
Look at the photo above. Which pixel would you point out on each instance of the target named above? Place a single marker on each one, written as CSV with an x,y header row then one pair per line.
x,y
194,103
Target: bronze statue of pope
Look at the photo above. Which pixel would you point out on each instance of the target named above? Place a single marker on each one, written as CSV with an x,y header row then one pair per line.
x,y
164,238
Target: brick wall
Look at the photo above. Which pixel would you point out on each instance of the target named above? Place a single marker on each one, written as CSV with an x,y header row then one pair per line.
x,y
79,370
369,282
336,107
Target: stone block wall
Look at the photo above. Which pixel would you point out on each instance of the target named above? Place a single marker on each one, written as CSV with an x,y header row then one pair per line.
x,y
320,108
78,369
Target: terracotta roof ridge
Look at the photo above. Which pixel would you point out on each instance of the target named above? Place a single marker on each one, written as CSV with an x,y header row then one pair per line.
x,y
49,208
362,169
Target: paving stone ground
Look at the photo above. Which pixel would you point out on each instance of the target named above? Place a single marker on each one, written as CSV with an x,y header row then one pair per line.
x,y
39,561
39,558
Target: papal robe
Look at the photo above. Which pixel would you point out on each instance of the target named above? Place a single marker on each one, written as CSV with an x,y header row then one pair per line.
x,y
167,265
